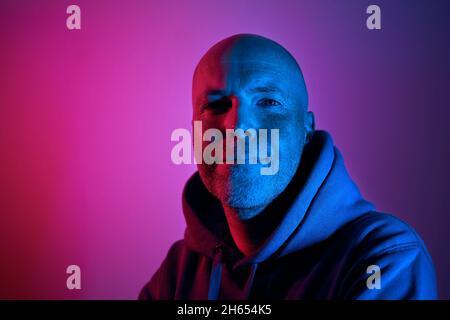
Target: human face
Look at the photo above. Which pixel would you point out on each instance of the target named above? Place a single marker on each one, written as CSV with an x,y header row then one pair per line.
x,y
250,85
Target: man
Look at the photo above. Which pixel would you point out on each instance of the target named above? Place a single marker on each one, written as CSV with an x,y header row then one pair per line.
x,y
304,232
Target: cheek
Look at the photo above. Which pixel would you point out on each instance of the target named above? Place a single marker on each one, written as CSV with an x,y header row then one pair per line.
x,y
212,121
287,117
292,136
290,150
290,127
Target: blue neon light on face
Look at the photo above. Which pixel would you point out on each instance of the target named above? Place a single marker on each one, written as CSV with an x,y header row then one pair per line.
x,y
244,82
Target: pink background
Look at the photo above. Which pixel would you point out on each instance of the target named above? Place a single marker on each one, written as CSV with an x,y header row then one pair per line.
x,y
86,118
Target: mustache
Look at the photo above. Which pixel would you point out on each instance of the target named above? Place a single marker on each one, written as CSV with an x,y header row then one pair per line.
x,y
236,146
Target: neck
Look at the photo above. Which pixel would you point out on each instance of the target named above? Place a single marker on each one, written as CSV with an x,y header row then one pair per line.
x,y
250,233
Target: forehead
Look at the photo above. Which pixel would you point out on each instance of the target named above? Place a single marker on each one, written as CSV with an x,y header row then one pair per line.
x,y
237,74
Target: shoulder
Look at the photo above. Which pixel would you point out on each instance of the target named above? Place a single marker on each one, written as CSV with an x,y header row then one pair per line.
x,y
383,232
392,246
161,283
175,250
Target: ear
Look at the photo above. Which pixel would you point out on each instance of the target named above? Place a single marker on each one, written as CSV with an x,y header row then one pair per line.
x,y
310,126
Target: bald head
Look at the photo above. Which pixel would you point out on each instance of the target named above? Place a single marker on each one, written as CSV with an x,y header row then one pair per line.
x,y
250,51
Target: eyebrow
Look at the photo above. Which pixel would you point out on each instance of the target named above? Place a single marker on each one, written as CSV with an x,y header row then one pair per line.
x,y
261,88
265,89
215,93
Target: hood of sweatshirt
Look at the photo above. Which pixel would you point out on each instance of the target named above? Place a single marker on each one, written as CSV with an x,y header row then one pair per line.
x,y
320,199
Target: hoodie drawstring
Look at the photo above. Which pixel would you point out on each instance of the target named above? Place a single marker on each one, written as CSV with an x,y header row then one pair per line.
x,y
249,283
216,276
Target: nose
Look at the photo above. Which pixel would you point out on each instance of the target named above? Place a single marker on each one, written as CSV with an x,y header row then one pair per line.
x,y
231,117
239,116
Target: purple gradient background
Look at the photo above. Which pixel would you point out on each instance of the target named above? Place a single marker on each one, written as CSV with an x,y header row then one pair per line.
x,y
86,117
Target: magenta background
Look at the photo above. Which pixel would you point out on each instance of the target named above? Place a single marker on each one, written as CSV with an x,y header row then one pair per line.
x,y
86,117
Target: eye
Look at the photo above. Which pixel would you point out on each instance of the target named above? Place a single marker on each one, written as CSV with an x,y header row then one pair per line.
x,y
267,102
218,106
